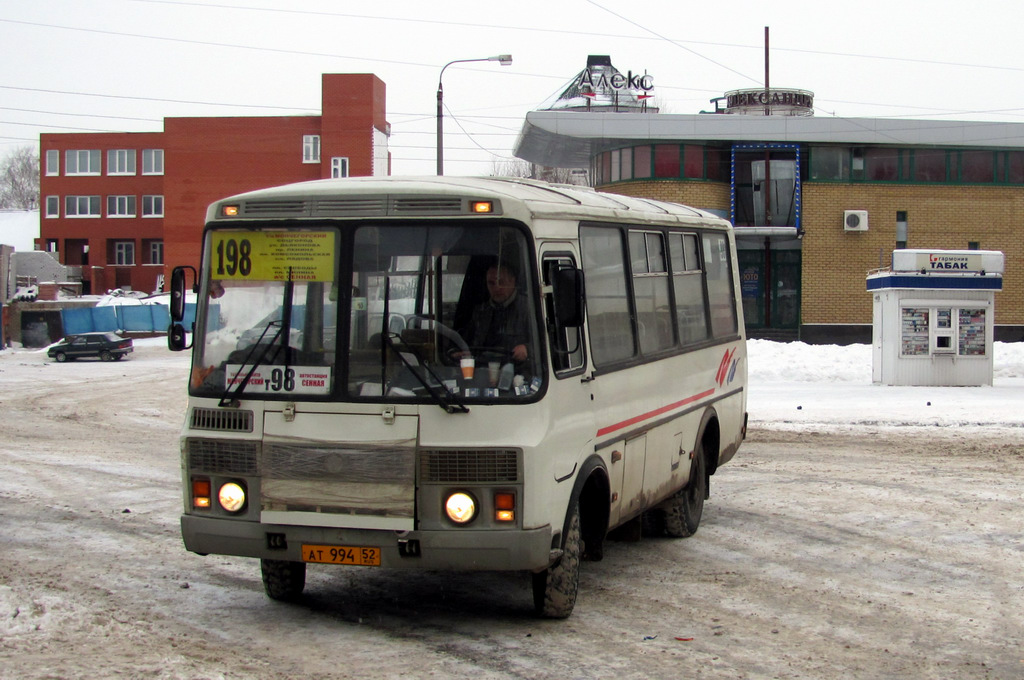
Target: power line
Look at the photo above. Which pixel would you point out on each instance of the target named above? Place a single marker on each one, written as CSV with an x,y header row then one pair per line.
x,y
590,34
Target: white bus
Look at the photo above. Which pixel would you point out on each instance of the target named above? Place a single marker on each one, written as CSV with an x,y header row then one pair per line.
x,y
335,417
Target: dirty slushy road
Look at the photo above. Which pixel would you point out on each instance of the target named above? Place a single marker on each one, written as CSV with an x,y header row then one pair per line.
x,y
866,554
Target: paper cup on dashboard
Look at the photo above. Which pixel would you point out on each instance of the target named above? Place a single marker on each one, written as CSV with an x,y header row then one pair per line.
x,y
493,372
468,364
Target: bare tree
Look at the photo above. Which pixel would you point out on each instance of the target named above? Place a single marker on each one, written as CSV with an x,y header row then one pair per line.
x,y
19,179
521,168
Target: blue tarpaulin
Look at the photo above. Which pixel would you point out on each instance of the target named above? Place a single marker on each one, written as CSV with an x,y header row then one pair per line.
x,y
128,318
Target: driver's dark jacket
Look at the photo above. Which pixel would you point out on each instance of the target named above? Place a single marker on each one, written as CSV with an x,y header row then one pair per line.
x,y
499,327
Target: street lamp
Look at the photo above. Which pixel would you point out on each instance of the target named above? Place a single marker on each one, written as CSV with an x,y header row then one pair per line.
x,y
504,59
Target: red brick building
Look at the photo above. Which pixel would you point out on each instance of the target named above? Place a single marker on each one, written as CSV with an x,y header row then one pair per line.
x,y
126,207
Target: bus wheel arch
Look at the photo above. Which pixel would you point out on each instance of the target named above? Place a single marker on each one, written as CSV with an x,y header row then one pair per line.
x,y
683,511
593,496
586,523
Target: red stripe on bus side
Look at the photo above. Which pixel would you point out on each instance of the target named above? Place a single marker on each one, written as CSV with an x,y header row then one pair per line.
x,y
651,414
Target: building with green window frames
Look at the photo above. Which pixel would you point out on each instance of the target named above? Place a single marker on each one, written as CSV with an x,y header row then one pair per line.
x,y
817,202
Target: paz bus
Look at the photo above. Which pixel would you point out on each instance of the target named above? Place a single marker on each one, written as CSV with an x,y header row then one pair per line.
x,y
348,406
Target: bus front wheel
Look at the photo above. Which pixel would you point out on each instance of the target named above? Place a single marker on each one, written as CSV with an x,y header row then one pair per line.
x,y
283,580
555,588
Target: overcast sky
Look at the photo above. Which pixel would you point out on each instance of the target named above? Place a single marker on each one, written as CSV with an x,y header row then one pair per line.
x,y
123,65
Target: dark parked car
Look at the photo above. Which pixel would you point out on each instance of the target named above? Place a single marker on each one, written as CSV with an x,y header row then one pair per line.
x,y
107,346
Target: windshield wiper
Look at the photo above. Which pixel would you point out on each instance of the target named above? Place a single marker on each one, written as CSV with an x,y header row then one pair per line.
x,y
230,396
449,403
442,397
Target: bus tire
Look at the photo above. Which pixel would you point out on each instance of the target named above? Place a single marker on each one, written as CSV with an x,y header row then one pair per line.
x,y
283,580
555,588
682,516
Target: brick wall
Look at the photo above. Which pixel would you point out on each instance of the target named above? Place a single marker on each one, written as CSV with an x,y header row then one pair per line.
x,y
835,262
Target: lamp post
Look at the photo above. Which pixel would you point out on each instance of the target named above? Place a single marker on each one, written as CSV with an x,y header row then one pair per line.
x,y
504,59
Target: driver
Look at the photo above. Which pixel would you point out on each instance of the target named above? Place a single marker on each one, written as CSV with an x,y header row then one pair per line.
x,y
502,322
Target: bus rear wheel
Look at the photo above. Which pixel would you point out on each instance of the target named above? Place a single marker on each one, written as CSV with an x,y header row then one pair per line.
x,y
283,580
682,516
555,588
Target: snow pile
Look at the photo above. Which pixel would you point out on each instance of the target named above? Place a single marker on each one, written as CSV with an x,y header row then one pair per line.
x,y
796,386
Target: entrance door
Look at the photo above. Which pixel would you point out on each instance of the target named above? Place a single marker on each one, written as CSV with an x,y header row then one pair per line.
x,y
770,286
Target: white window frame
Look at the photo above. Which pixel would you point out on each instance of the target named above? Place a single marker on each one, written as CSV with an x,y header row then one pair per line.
x,y
84,207
52,162
81,162
152,161
339,166
124,253
120,161
52,207
121,206
153,205
310,148
156,252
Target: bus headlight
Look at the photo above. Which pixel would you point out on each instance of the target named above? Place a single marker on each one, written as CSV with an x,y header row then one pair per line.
x,y
231,497
460,507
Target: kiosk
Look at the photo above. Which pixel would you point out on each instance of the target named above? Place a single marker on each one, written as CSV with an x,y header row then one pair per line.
x,y
933,317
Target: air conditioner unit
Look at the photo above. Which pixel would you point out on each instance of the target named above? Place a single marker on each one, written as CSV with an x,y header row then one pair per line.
x,y
855,220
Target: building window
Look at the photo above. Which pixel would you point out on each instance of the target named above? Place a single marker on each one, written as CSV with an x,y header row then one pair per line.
x,y
152,206
880,165
156,252
152,161
124,253
82,162
693,161
930,165
666,160
311,148
121,162
339,167
53,206
120,206
901,229
81,206
830,163
642,162
52,162
977,166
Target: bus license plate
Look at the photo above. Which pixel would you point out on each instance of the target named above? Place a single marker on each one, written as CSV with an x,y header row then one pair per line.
x,y
341,554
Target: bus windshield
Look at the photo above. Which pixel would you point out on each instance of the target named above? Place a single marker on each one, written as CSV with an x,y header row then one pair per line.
x,y
432,313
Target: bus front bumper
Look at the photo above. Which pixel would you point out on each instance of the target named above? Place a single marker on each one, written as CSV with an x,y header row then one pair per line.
x,y
454,549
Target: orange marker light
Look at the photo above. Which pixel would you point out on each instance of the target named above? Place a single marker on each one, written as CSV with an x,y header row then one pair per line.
x,y
504,506
201,493
482,207
229,211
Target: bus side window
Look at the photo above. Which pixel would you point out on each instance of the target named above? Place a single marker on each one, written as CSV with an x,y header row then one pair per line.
x,y
566,343
719,281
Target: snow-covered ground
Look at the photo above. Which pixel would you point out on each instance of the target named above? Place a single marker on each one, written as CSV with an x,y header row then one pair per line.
x,y
858,533
828,387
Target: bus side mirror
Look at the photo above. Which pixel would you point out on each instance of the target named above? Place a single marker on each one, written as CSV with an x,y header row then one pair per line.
x,y
176,340
178,289
567,290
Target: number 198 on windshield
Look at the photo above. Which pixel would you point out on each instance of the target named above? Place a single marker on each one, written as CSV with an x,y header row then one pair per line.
x,y
234,257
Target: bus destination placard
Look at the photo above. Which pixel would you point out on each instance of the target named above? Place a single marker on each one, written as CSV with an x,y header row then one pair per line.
x,y
273,255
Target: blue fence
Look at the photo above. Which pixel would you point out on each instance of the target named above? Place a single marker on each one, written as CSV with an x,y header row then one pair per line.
x,y
127,318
